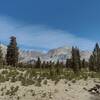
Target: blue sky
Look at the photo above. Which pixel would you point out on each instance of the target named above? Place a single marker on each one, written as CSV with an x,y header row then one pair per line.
x,y
47,24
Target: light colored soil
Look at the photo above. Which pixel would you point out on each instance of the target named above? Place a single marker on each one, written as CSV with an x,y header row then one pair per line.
x,y
63,90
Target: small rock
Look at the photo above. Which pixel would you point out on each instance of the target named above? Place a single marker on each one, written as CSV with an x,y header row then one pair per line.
x,y
66,90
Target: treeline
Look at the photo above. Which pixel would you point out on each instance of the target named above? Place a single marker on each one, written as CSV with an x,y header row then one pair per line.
x,y
75,62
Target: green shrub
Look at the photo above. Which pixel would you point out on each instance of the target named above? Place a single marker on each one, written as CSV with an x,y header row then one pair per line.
x,y
45,82
18,98
4,72
27,82
13,79
2,79
56,81
12,91
38,82
73,81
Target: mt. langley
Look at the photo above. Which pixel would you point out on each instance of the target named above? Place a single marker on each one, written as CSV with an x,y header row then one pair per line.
x,y
60,54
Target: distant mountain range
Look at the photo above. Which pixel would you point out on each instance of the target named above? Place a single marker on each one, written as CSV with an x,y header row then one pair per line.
x,y
54,55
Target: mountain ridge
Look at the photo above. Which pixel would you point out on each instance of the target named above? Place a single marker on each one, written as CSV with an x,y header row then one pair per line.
x,y
61,54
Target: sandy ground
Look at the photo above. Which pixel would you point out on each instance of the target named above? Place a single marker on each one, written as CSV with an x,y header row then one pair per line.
x,y
63,90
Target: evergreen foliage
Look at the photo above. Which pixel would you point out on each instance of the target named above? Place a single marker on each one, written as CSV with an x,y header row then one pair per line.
x,y
94,61
1,57
76,63
83,63
12,52
38,63
68,63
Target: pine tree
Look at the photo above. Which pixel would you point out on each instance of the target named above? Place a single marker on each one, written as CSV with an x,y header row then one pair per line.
x,y
91,63
43,65
1,57
78,58
12,52
83,63
94,61
68,63
96,54
76,63
50,67
57,66
38,63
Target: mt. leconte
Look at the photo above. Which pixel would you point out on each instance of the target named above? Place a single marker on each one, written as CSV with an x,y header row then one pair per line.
x,y
54,55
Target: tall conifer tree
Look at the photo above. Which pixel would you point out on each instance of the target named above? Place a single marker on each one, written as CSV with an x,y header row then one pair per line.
x,y
12,52
1,57
76,63
94,61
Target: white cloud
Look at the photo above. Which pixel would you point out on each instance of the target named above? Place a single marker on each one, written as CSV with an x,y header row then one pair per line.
x,y
38,36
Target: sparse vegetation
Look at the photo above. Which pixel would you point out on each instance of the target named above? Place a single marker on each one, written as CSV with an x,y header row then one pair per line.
x,y
38,82
43,95
12,91
29,74
45,82
18,98
40,72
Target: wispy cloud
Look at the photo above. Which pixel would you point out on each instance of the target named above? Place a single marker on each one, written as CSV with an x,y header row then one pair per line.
x,y
39,36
